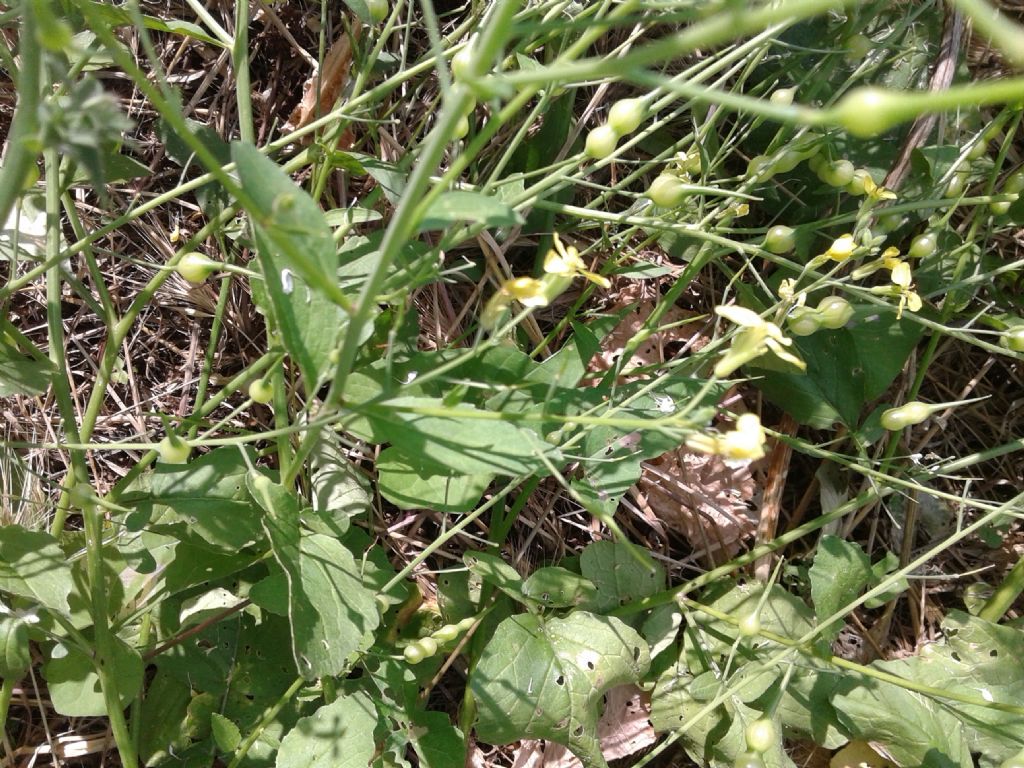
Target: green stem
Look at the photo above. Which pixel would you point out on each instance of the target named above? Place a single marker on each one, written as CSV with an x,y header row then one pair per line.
x,y
243,83
6,692
1005,594
987,21
268,717
106,650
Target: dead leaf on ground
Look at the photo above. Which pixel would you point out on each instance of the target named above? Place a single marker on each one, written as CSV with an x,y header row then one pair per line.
x,y
322,89
624,729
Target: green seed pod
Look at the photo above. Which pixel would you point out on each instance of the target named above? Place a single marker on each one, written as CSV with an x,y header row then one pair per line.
x,y
868,111
782,96
837,174
1014,183
428,645
803,321
601,142
173,450
196,267
761,168
748,760
462,62
922,246
261,391
834,312
1013,339
859,183
906,415
414,654
780,239
667,191
625,116
378,9
761,735
446,633
466,624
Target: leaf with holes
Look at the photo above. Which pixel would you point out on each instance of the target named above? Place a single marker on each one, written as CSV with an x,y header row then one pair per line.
x,y
545,679
332,613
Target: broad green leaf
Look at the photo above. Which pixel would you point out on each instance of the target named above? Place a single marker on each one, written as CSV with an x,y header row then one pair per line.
x,y
337,735
839,574
410,487
299,261
661,627
340,491
163,718
618,575
195,609
979,659
496,572
332,613
460,438
545,679
439,744
458,207
15,657
845,368
208,494
33,566
914,729
23,375
556,587
74,685
271,593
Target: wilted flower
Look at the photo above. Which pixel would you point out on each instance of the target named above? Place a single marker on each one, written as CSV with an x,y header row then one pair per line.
x,y
757,337
744,443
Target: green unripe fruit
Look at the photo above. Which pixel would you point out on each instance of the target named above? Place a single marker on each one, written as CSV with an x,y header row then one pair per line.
x,y
868,111
414,654
906,415
1014,183
173,450
783,96
761,735
999,208
15,657
466,624
889,222
817,162
978,149
748,760
760,167
428,645
1013,338
625,116
195,267
922,246
462,62
837,174
601,142
261,391
834,312
780,239
749,625
787,161
956,184
803,321
461,127
446,633
667,191
859,183
858,46
378,9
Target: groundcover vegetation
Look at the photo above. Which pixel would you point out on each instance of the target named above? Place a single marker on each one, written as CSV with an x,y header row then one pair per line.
x,y
511,383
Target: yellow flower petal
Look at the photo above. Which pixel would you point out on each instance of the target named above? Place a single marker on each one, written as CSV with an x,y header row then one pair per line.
x,y
901,275
527,291
842,248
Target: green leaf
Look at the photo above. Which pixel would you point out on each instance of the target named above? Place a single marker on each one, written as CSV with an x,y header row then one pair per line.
x,y
439,743
496,572
845,368
839,574
619,576
545,679
74,685
225,733
338,735
23,375
453,208
410,487
340,491
209,494
116,16
332,613
556,587
460,439
33,566
163,718
299,261
15,657
880,572
360,9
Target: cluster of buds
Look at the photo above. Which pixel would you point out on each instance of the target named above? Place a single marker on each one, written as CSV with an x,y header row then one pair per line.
x,y
561,265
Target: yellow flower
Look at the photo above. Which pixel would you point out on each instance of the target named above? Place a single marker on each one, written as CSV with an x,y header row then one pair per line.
x,y
757,337
902,288
566,262
889,259
526,290
744,443
842,248
875,191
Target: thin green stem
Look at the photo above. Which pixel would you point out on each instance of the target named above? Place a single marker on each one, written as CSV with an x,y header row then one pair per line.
x,y
267,719
22,139
1005,594
243,83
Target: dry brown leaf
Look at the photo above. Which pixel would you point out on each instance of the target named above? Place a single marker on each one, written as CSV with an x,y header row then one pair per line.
x,y
323,88
700,497
624,729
